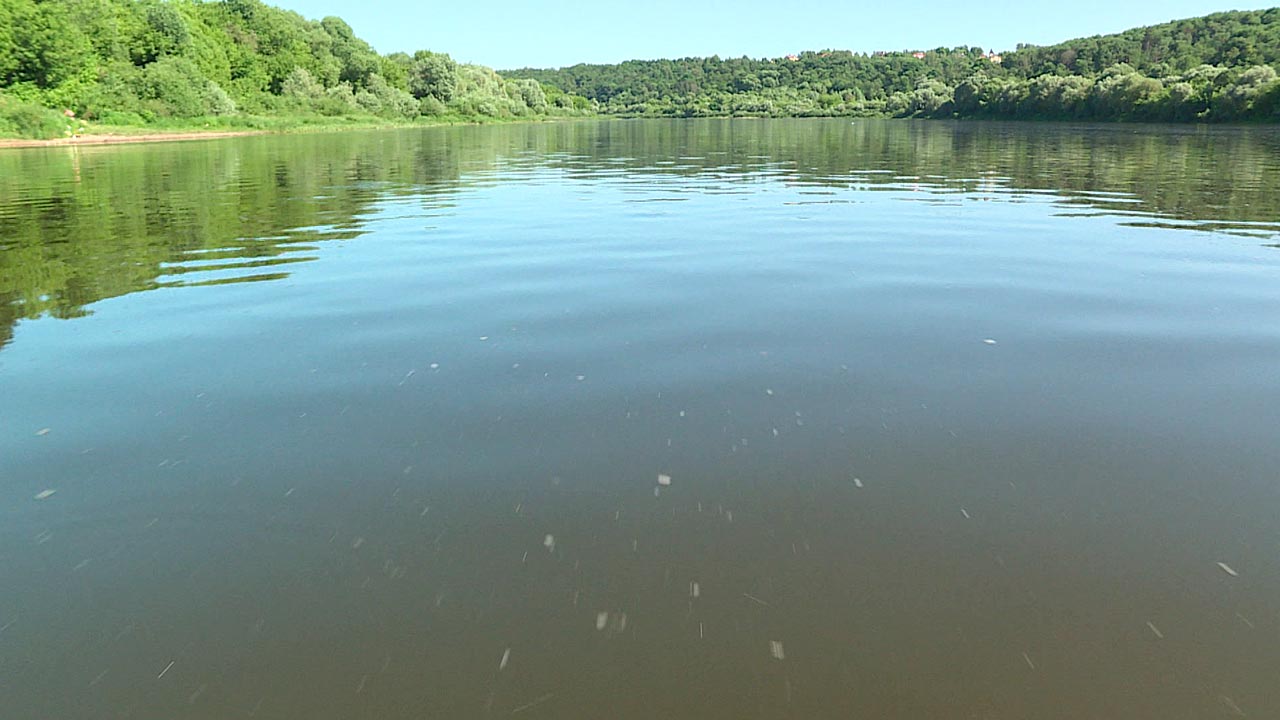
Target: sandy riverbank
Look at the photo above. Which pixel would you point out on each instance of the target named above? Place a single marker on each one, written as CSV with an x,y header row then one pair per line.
x,y
108,139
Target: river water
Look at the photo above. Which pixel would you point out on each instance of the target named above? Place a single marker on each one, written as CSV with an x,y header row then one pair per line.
x,y
644,419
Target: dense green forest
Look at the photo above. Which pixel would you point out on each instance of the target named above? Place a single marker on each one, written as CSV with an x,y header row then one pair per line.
x,y
1219,67
134,62
243,63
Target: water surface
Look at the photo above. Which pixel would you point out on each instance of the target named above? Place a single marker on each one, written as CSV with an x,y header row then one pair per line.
x,y
960,421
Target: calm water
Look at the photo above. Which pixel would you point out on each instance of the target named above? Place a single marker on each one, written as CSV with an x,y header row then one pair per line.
x,y
959,420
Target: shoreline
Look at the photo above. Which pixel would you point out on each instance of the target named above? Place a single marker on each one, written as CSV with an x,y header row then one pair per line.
x,y
111,139
108,139
154,136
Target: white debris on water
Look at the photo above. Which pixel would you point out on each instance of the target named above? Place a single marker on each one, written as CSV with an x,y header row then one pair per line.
x,y
857,482
989,341
1155,630
1228,570
166,669
1234,707
506,657
775,649
434,366
695,589
533,703
45,494
1028,659
965,513
664,480
549,542
42,432
602,620
768,391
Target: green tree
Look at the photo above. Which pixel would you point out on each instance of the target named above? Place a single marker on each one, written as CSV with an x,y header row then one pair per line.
x,y
433,75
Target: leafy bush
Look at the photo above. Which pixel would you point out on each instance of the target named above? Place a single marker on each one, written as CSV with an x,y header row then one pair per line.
x,y
217,101
431,106
30,120
301,87
174,87
392,101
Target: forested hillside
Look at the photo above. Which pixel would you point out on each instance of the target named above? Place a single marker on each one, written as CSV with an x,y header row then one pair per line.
x,y
1217,67
132,62
244,63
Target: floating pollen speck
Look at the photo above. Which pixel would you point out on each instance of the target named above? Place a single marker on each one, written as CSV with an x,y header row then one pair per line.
x,y
664,480
549,542
43,431
45,494
506,657
775,649
602,619
989,341
857,482
1227,569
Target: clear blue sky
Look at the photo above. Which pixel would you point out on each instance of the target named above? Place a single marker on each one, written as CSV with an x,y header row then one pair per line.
x,y
507,34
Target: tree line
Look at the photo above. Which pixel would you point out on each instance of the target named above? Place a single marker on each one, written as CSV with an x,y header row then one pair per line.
x,y
137,62
1220,67
131,62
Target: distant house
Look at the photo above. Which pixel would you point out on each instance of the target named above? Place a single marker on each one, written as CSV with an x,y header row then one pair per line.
x,y
793,58
918,55
995,59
